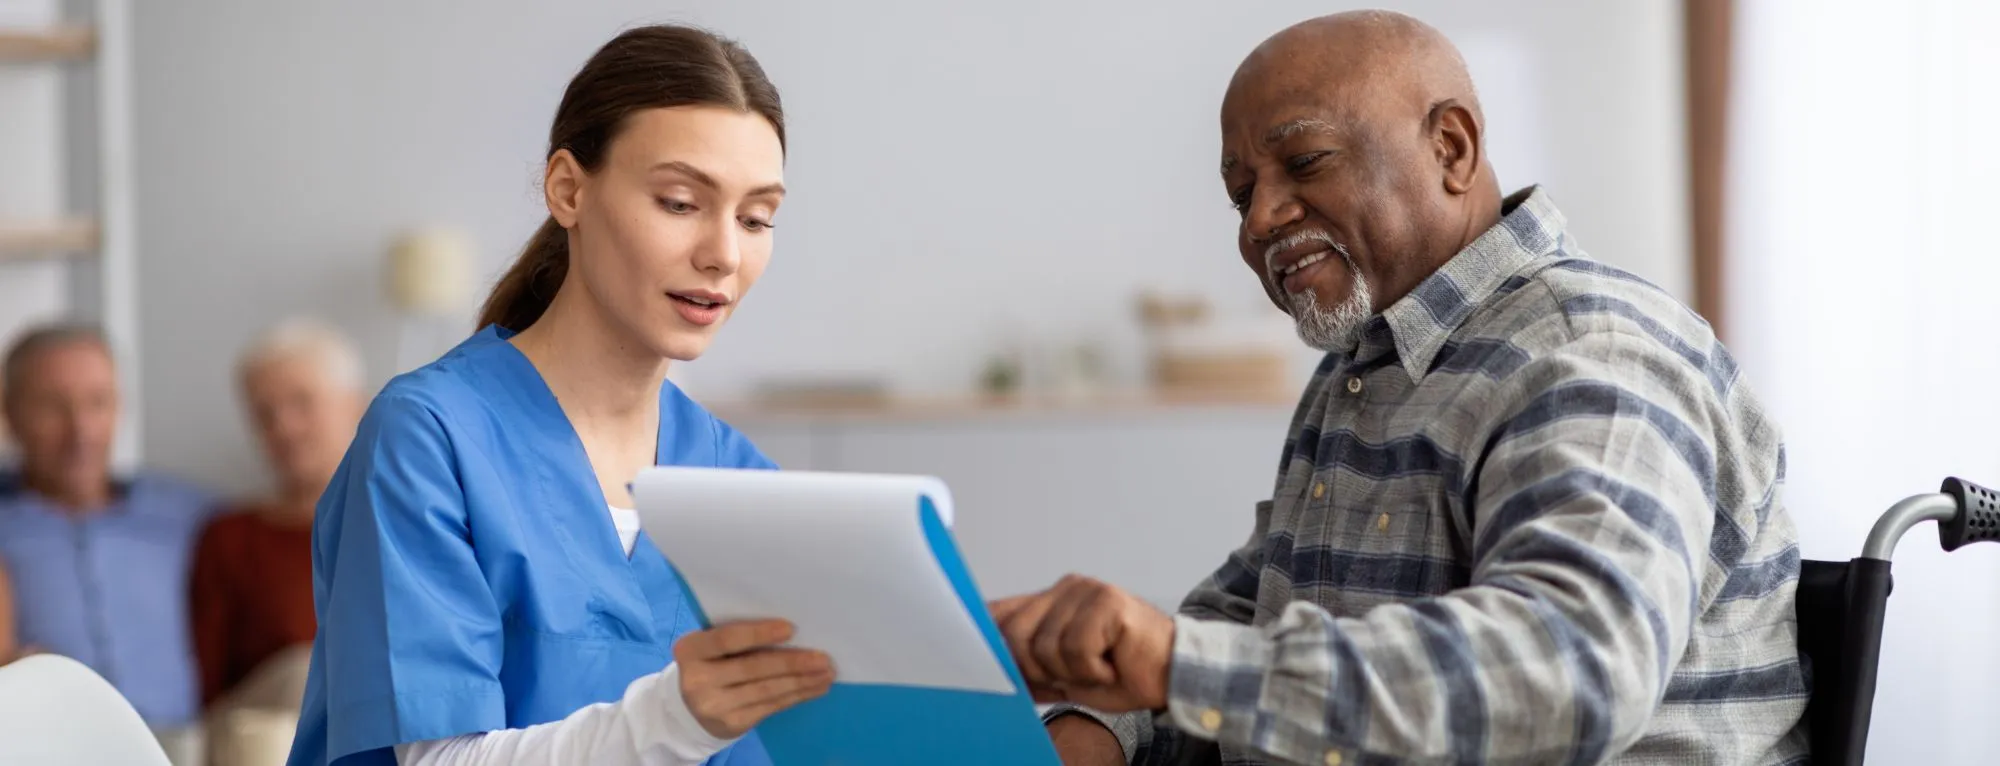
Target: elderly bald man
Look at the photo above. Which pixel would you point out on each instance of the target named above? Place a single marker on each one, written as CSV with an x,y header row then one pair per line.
x,y
1528,513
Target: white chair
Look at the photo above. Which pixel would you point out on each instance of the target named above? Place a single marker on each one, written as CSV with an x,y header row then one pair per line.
x,y
54,711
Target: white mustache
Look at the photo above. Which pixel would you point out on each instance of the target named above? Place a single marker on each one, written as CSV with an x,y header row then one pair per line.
x,y
1294,240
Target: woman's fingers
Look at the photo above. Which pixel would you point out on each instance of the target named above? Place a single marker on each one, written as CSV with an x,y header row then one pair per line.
x,y
767,664
727,711
784,695
731,639
759,693
735,675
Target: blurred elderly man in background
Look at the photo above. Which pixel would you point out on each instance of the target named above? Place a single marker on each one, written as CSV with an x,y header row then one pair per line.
x,y
99,563
252,597
1527,514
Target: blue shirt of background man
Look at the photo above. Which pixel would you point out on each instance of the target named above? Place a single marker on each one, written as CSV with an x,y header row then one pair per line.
x,y
109,588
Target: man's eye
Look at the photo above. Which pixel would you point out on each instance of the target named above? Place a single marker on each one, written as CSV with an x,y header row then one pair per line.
x,y
1304,161
1240,201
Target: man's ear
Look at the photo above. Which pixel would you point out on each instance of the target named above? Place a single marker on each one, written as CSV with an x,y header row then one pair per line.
x,y
1456,135
562,187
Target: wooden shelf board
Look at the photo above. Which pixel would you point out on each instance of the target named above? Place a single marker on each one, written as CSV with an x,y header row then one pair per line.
x,y
973,406
68,42
23,240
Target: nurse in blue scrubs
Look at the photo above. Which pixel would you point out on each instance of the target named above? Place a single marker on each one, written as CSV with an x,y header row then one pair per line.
x,y
484,592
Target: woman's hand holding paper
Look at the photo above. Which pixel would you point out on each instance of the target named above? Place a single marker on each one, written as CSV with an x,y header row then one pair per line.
x,y
734,676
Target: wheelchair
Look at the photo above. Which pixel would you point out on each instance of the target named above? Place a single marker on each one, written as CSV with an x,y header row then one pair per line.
x,y
1841,606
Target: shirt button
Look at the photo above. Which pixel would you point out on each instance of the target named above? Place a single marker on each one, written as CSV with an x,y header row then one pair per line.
x,y
1333,758
1382,523
1353,385
1319,490
1211,719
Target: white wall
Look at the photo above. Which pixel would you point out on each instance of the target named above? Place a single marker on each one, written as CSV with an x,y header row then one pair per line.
x,y
955,166
1862,301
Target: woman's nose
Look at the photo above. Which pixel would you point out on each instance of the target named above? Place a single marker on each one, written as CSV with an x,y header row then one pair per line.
x,y
720,252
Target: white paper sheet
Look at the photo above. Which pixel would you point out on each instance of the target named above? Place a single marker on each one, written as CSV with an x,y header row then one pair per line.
x,y
842,556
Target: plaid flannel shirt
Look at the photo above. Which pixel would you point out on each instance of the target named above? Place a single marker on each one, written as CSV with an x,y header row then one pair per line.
x,y
1533,518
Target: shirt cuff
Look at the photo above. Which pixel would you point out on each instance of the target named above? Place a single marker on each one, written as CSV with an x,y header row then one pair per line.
x,y
1133,730
1217,678
681,732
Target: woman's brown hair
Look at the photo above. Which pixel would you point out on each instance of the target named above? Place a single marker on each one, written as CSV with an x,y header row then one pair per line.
x,y
645,68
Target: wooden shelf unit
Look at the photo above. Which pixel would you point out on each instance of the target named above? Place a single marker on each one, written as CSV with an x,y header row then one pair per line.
x,y
62,43
20,240
81,42
25,240
902,409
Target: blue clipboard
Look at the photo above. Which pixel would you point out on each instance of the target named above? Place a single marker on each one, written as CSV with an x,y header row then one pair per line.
x,y
888,725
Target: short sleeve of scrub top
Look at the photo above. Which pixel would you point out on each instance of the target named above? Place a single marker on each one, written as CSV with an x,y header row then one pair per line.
x,y
406,569
467,576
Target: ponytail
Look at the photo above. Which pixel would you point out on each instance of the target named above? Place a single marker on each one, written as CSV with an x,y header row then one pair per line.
x,y
525,291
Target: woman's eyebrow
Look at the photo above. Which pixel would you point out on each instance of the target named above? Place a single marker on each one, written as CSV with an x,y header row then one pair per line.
x,y
702,177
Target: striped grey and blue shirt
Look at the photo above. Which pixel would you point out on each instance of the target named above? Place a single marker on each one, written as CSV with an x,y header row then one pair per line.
x,y
1534,518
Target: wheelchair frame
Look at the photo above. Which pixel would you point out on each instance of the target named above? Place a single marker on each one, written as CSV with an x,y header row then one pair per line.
x,y
1842,606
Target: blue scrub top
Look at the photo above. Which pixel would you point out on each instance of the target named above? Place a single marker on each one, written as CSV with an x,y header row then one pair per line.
x,y
466,571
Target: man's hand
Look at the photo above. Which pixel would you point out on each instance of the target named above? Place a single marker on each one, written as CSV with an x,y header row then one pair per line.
x,y
1084,742
1090,643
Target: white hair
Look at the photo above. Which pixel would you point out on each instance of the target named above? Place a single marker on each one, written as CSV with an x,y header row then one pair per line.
x,y
1335,328
335,353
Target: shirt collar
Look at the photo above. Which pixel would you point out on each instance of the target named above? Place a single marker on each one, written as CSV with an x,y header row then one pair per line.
x,y
14,492
1417,326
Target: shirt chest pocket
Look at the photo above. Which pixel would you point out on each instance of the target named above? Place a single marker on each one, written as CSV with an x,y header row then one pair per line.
x,y
1352,536
596,596
1341,511
551,576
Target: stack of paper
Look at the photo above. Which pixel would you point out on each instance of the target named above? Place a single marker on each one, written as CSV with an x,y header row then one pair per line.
x,y
865,567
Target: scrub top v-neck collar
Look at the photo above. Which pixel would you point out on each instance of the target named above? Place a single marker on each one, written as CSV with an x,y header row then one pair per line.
x,y
602,552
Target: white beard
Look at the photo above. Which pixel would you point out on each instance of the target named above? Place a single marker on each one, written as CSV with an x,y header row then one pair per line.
x,y
1328,329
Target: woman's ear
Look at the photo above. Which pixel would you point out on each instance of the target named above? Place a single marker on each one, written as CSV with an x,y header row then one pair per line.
x,y
562,187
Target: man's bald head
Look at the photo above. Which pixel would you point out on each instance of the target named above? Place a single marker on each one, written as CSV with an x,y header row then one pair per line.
x,y
1360,134
1376,58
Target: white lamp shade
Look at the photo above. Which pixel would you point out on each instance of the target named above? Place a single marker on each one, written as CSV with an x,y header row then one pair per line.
x,y
430,272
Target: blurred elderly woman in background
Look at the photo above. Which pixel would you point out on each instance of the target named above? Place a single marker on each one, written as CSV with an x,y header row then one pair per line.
x,y
252,597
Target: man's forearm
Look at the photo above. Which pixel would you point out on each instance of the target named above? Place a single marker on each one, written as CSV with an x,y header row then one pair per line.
x,y
1404,684
1133,730
1140,739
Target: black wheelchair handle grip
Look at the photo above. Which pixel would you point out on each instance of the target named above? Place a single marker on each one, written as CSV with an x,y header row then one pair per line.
x,y
1978,517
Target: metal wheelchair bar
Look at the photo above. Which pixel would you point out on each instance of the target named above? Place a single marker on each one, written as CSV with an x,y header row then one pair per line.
x,y
1914,510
